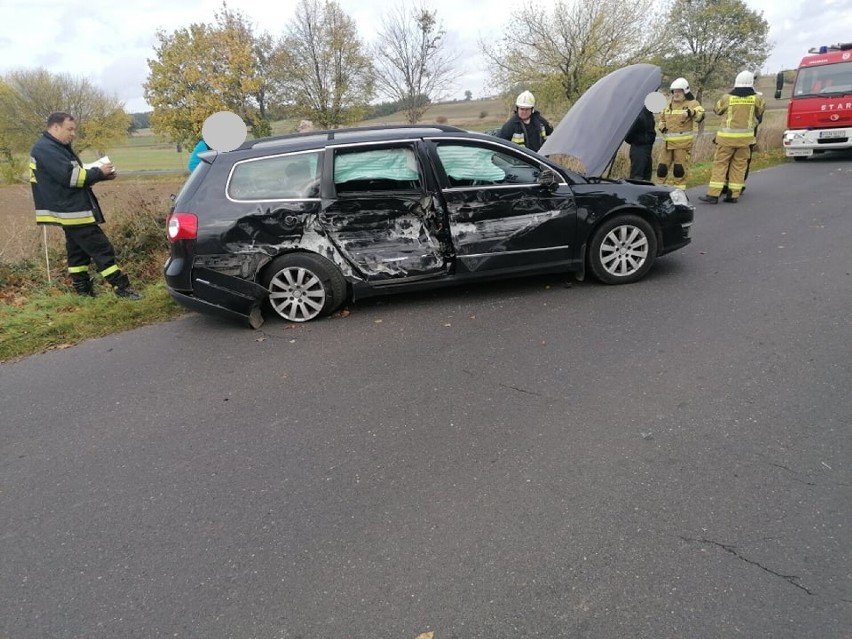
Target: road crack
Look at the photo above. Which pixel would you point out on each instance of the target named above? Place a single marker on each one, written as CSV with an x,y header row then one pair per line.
x,y
521,390
793,580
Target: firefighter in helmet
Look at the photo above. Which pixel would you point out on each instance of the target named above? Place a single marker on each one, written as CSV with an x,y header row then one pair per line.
x,y
741,110
527,126
677,123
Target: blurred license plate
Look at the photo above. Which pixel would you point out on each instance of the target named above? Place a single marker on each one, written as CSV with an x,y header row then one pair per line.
x,y
823,135
791,153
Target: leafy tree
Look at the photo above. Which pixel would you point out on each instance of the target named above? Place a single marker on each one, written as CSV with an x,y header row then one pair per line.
x,y
205,68
468,96
322,67
411,59
27,97
560,53
715,40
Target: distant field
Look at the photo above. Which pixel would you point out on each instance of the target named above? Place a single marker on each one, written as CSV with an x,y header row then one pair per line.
x,y
145,152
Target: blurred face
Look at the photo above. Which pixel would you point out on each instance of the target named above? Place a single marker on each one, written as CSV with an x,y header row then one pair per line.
x,y
525,113
64,132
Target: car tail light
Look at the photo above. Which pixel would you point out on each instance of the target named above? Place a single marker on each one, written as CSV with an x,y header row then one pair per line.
x,y
182,226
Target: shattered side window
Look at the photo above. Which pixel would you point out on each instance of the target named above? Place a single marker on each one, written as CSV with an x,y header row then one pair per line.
x,y
284,177
376,169
471,165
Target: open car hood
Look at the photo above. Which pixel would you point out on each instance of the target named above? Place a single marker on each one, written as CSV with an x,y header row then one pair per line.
x,y
594,128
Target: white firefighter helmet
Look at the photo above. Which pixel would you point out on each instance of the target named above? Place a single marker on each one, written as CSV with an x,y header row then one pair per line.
x,y
525,99
744,79
680,83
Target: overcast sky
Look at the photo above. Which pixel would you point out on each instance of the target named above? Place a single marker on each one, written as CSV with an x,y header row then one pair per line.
x,y
109,43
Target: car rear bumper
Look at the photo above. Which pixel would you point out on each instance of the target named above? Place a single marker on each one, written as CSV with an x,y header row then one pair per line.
x,y
225,296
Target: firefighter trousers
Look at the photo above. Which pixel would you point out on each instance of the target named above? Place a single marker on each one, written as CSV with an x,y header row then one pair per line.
x,y
729,164
673,167
86,244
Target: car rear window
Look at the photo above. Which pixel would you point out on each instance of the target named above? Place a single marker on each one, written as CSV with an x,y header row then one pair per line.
x,y
284,177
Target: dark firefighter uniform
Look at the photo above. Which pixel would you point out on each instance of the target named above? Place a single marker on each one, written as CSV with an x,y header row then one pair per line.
x,y
530,135
676,124
63,197
741,110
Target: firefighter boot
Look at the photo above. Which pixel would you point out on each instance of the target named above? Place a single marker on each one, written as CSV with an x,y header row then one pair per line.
x,y
121,285
82,284
710,199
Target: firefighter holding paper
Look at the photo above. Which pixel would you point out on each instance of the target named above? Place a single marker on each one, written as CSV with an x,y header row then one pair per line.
x,y
677,124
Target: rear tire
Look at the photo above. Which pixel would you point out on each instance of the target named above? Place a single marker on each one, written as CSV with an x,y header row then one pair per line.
x,y
303,286
799,158
623,250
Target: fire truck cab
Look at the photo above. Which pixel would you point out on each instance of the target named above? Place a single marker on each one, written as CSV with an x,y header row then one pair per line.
x,y
819,115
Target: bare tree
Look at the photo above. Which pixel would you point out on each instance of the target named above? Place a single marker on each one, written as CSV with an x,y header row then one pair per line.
x,y
321,65
413,67
561,53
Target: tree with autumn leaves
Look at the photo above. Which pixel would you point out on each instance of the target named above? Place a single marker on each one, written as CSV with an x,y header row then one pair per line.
x,y
206,68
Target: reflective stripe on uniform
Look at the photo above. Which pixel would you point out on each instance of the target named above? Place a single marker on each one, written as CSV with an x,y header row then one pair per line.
x,y
109,270
716,185
65,219
736,133
78,269
677,137
78,177
518,138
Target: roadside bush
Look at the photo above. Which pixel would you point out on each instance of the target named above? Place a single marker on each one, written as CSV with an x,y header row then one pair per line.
x,y
441,119
135,226
483,115
770,135
13,170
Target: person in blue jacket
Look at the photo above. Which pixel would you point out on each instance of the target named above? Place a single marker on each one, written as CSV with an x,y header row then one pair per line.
x,y
193,158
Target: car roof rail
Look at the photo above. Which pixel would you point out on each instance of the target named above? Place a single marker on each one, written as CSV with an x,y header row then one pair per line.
x,y
329,134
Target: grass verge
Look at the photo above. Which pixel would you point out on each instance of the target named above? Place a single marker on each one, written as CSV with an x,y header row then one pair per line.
x,y
55,319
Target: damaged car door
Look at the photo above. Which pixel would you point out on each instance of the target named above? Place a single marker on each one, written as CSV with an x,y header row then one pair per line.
x,y
506,210
382,217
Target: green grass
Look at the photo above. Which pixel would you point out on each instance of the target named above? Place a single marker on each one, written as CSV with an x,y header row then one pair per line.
x,y
54,318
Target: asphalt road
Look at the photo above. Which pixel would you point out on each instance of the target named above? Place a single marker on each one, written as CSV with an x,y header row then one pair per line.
x,y
523,459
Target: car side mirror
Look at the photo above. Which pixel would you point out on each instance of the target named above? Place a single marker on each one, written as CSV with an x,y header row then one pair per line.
x,y
549,180
779,84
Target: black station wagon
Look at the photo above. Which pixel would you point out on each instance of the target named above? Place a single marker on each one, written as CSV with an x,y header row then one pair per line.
x,y
303,223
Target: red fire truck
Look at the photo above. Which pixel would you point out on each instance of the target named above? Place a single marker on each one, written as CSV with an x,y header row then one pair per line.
x,y
819,116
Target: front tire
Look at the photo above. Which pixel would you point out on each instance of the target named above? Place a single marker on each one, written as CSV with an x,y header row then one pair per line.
x,y
303,286
623,250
